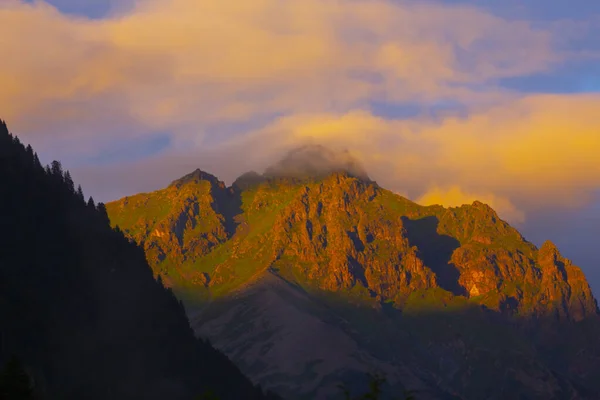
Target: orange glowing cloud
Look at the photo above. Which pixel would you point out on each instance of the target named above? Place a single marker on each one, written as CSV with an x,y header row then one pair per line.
x,y
187,66
455,197
180,64
535,152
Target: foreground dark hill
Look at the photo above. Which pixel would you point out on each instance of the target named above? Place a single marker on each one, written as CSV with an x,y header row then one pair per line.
x,y
312,274
79,305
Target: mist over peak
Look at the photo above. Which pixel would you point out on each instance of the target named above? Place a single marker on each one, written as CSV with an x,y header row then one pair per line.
x,y
314,161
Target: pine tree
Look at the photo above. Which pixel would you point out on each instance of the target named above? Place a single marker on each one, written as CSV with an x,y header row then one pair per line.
x,y
103,213
208,395
69,182
36,161
376,381
29,152
80,193
14,382
56,168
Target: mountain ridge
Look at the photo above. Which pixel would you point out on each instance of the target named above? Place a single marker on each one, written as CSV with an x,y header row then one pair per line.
x,y
469,235
341,238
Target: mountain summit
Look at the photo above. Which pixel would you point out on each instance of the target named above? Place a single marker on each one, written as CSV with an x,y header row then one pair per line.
x,y
308,282
316,161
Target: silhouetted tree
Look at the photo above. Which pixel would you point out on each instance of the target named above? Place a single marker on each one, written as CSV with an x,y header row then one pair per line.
x,y
208,395
36,161
56,169
69,182
376,381
80,305
103,213
15,384
29,152
80,193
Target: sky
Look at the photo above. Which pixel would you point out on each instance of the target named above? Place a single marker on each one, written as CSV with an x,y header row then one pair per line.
x,y
443,101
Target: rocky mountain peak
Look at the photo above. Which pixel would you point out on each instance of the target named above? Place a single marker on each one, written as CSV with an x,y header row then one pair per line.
x,y
549,252
479,204
196,176
548,247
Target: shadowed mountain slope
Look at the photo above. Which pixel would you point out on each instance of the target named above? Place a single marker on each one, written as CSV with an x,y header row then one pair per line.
x,y
79,305
312,273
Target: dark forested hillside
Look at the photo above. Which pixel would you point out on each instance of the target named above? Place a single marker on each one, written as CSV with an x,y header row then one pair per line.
x,y
79,306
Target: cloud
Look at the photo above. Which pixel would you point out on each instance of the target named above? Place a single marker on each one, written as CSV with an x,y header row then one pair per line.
x,y
539,151
542,149
206,71
188,64
536,153
455,197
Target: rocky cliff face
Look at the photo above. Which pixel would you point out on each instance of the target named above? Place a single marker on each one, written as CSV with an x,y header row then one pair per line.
x,y
326,229
179,224
342,233
333,235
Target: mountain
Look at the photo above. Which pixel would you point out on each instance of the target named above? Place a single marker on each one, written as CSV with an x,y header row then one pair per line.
x,y
312,274
80,308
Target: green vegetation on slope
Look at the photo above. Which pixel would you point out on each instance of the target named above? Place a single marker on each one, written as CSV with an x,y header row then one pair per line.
x,y
345,235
